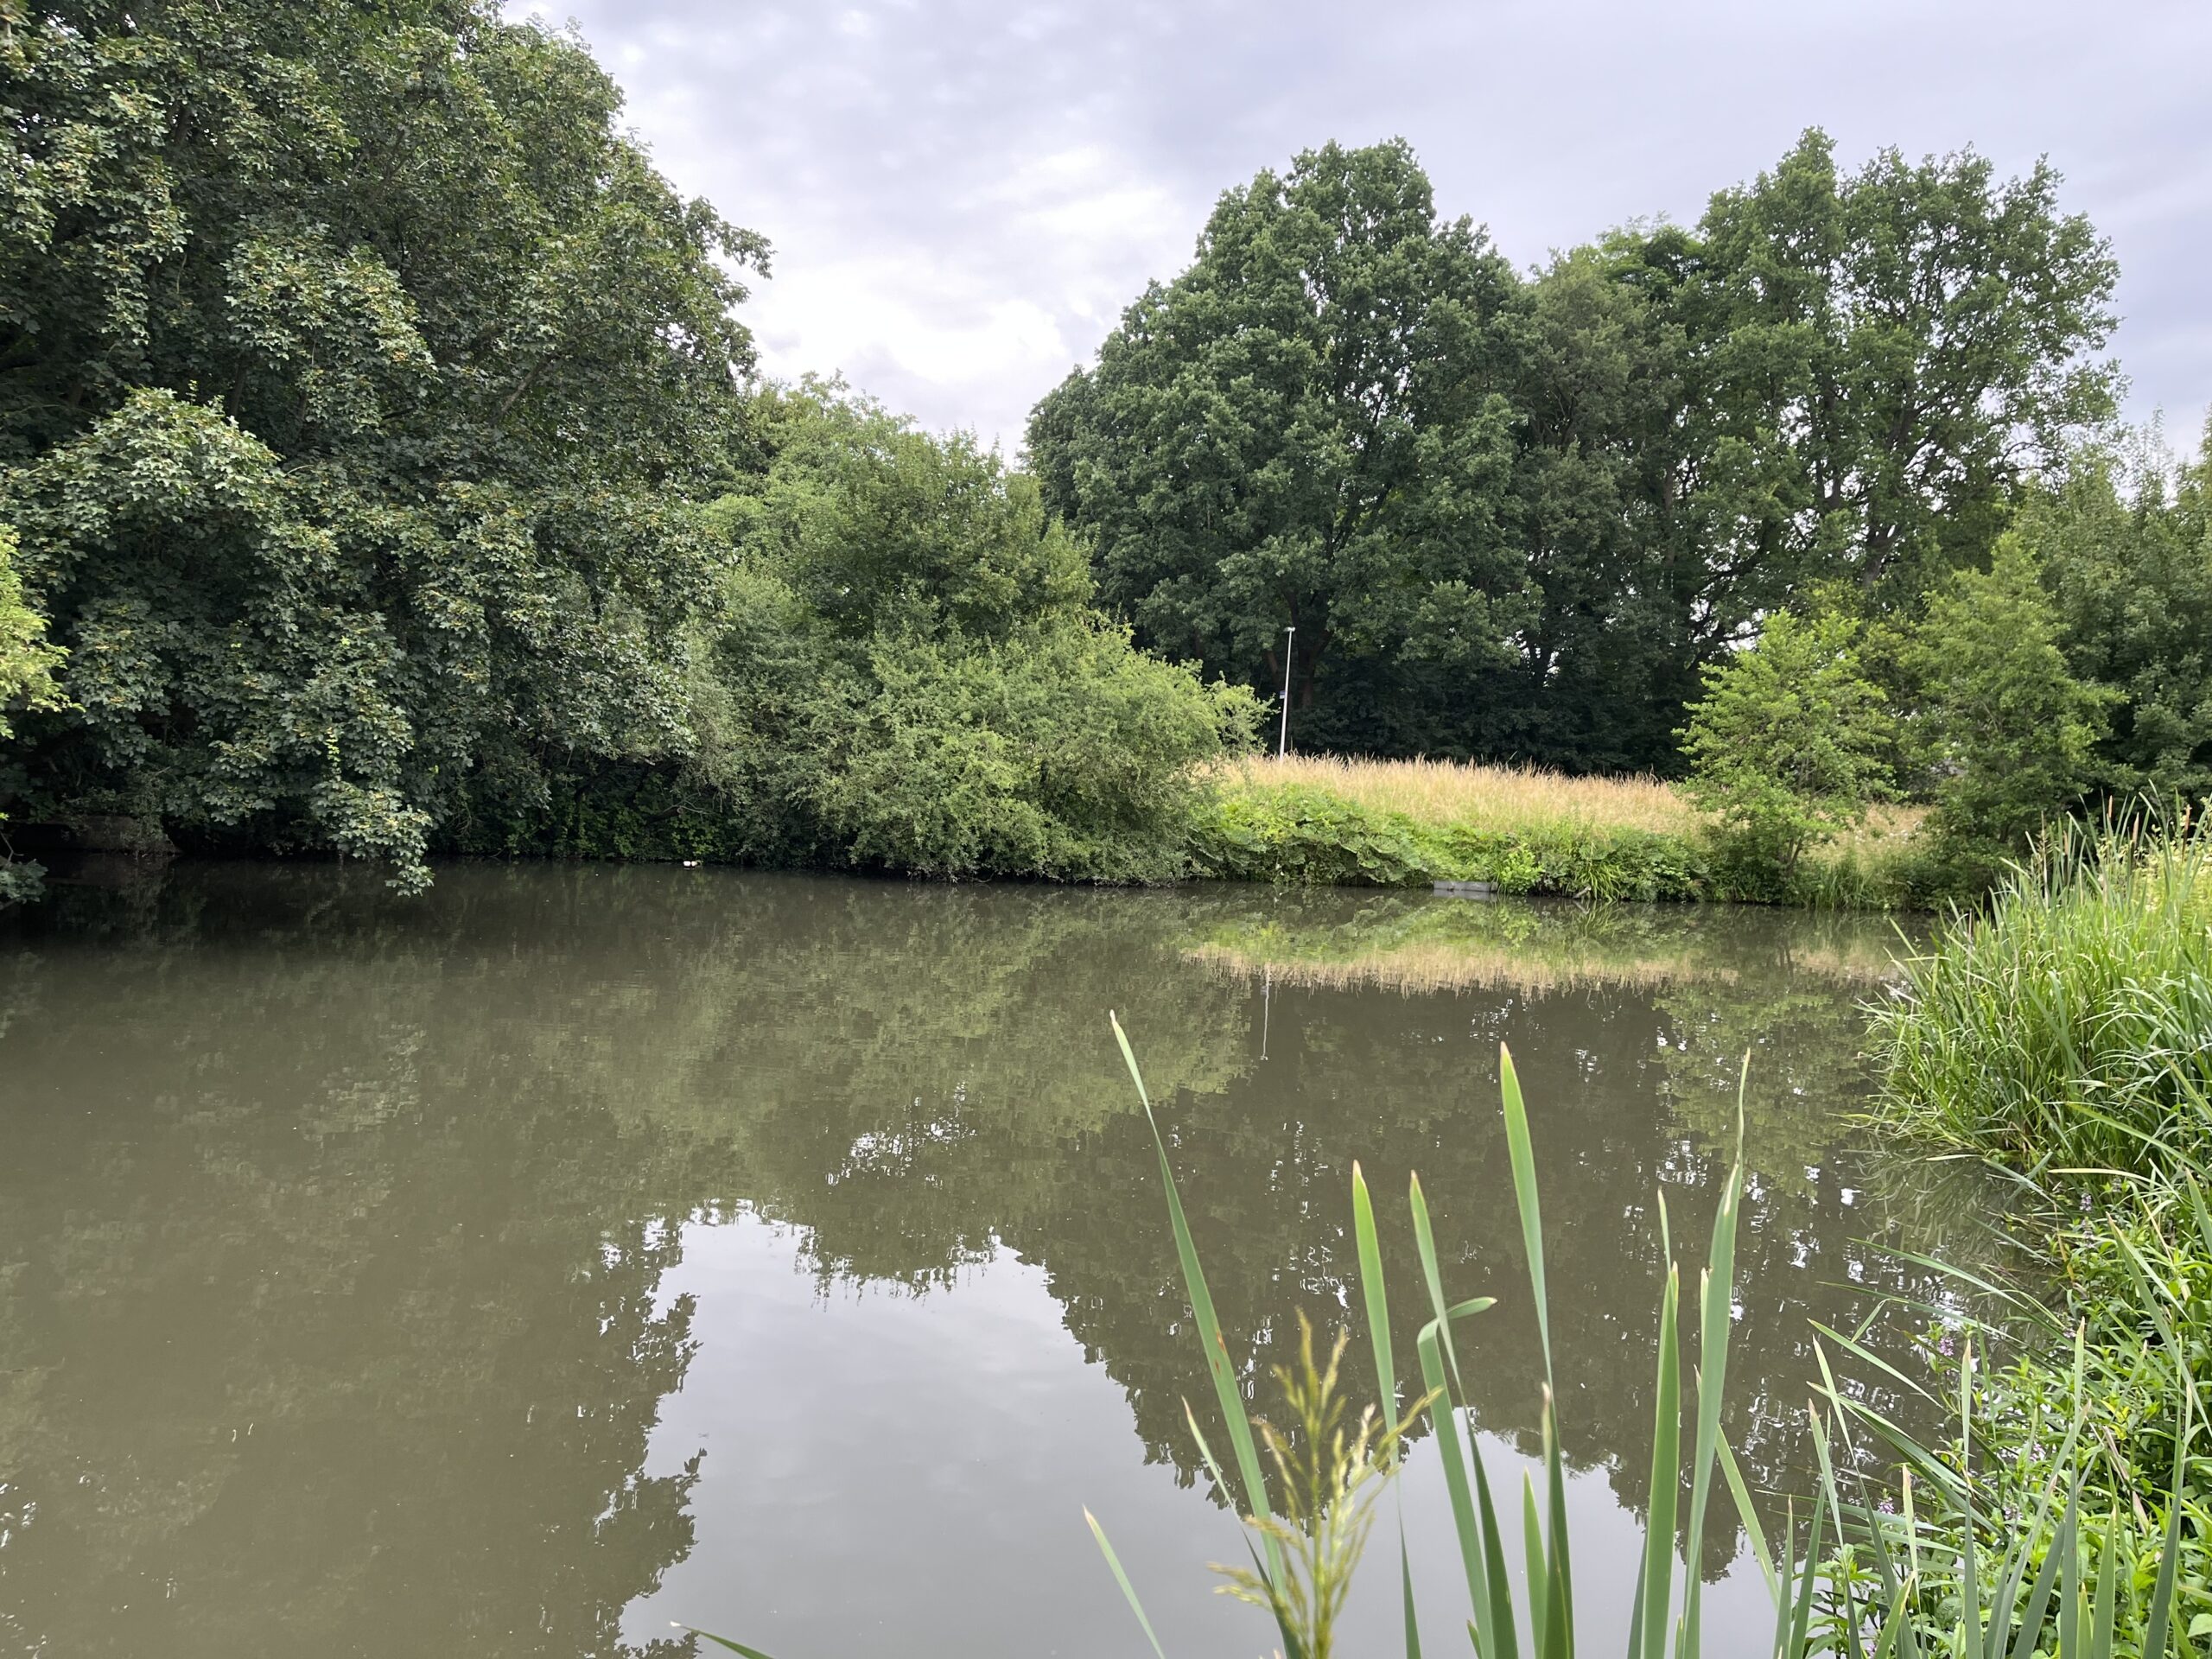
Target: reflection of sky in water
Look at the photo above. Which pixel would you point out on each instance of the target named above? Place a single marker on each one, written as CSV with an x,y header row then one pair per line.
x,y
353,1250
891,1472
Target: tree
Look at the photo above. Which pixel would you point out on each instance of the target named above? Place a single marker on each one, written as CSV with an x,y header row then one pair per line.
x,y
26,661
2010,731
2129,571
911,675
1912,337
357,372
1786,748
1308,428
1517,519
27,665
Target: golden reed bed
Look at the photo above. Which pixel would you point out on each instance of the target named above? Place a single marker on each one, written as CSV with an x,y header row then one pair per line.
x,y
1419,969
1504,798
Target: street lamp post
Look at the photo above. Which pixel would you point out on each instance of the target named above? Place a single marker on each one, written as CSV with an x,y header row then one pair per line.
x,y
1282,743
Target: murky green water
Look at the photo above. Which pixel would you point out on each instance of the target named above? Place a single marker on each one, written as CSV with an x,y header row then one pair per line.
x,y
520,1270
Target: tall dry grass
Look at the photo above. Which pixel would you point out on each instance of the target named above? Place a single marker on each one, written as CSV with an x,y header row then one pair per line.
x,y
1506,798
1489,796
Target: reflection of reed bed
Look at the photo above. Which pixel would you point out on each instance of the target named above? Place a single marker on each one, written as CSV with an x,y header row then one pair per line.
x,y
1420,946
1431,966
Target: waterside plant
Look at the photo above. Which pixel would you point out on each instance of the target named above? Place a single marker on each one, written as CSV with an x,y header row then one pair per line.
x,y
2002,1561
2070,1027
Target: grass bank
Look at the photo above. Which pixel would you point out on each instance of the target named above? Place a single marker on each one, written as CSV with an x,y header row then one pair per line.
x,y
1402,824
2066,1034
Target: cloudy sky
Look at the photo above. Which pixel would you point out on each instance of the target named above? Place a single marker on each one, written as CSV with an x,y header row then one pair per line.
x,y
962,196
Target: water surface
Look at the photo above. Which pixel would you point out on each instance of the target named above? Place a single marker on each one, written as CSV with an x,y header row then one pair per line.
x,y
521,1268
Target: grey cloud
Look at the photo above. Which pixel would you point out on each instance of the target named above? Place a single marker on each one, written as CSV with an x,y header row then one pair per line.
x,y
963,196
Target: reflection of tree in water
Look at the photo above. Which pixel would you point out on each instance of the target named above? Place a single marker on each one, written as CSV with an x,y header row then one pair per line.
x,y
350,1327
1269,1192
332,1228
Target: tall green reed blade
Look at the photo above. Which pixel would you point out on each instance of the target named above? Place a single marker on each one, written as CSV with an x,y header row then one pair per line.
x,y
1558,1617
2046,1582
1473,1515
1846,1616
1558,1587
1755,1533
1226,1388
1716,1311
2104,1610
1535,1563
1484,1587
1121,1577
1524,1160
2069,1581
2160,1614
1405,1583
1969,1515
1794,1618
1649,1617
1374,1293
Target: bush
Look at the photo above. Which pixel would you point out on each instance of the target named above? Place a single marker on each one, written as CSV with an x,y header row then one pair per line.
x,y
1295,834
1786,748
905,672
1062,753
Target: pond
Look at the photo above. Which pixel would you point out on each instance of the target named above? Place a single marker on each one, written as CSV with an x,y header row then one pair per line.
x,y
574,1251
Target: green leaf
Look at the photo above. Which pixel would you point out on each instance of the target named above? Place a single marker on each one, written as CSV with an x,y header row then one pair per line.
x,y
1227,1389
1121,1577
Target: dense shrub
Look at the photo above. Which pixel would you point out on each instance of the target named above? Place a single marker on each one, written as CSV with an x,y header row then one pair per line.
x,y
901,671
2008,730
363,373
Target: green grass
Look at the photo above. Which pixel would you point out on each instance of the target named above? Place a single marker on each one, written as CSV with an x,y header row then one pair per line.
x,y
2069,1026
2066,1034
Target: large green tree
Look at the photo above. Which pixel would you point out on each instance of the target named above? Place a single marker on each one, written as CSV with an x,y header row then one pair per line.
x,y
2128,562
1914,338
355,370
1526,534
1310,427
1833,376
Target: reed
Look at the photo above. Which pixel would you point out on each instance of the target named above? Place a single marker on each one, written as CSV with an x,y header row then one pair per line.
x,y
2070,1027
1494,796
1977,1565
1323,820
2036,1533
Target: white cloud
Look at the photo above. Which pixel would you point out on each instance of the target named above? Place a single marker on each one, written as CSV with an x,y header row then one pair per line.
x,y
963,194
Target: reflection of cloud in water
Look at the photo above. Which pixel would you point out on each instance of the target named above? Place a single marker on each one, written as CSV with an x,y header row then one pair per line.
x,y
919,1466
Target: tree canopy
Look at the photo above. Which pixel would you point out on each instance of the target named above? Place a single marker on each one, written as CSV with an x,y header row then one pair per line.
x,y
1308,429
358,370
1514,516
391,475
